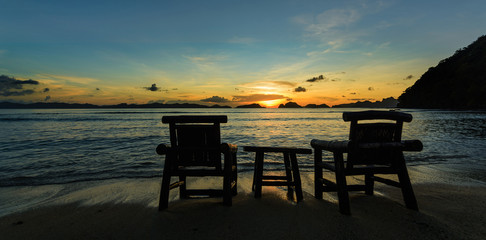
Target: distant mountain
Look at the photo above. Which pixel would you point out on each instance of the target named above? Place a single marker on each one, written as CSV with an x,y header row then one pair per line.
x,y
316,106
289,105
253,105
121,105
385,103
458,82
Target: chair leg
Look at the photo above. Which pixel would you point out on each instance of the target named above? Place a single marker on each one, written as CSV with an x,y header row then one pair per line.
x,y
406,185
297,181
235,175
369,184
228,179
342,189
164,191
255,173
258,174
317,173
227,193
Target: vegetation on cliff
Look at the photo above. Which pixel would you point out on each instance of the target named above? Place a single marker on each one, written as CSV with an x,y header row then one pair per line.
x,y
458,82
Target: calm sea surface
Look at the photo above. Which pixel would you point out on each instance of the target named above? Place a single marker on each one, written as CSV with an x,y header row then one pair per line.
x,y
55,146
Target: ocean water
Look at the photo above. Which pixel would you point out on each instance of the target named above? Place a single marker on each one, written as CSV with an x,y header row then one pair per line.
x,y
58,146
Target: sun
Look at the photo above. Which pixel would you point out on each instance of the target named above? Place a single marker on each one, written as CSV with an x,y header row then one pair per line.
x,y
270,103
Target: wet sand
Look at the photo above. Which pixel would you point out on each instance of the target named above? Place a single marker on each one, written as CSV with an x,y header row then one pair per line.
x,y
127,209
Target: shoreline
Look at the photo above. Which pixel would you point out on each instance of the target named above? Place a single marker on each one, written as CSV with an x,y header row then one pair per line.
x,y
127,209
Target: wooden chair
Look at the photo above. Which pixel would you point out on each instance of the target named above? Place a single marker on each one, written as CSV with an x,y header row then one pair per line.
x,y
195,151
373,148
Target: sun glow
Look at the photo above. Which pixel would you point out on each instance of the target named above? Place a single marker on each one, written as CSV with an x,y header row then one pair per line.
x,y
270,103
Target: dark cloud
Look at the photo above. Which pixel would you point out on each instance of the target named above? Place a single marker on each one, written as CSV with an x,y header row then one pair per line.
x,y
46,90
316,79
47,98
353,93
97,89
153,88
156,101
361,99
215,99
300,89
408,77
10,86
371,89
258,97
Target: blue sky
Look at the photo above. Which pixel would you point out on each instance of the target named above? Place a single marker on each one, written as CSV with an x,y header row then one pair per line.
x,y
228,52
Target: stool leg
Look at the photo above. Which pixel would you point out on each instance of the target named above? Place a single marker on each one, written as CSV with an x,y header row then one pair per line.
x,y
288,173
297,181
259,174
255,168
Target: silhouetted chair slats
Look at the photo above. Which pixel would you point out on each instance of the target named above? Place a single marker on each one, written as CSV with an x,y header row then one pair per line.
x,y
372,148
195,151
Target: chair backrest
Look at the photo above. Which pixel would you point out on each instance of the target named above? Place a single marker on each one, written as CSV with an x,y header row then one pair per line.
x,y
379,127
196,139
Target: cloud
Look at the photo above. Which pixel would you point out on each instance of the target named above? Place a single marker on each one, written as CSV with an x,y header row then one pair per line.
x,y
79,80
329,20
409,77
156,101
269,84
207,62
353,93
331,99
242,40
316,79
300,89
46,90
215,99
153,88
258,97
361,99
47,98
283,83
371,89
10,86
97,89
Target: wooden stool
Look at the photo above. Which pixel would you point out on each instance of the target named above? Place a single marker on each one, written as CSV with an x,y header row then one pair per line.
x,y
292,174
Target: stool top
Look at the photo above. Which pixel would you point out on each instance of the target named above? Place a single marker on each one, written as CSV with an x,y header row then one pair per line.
x,y
277,149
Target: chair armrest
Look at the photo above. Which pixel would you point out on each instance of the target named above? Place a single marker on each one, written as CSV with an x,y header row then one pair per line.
x,y
333,146
227,147
162,149
345,146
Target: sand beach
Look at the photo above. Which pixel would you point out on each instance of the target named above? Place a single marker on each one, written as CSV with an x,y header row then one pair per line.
x,y
127,209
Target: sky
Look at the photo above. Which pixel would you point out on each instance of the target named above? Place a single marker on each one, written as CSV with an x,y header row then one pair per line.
x,y
226,52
